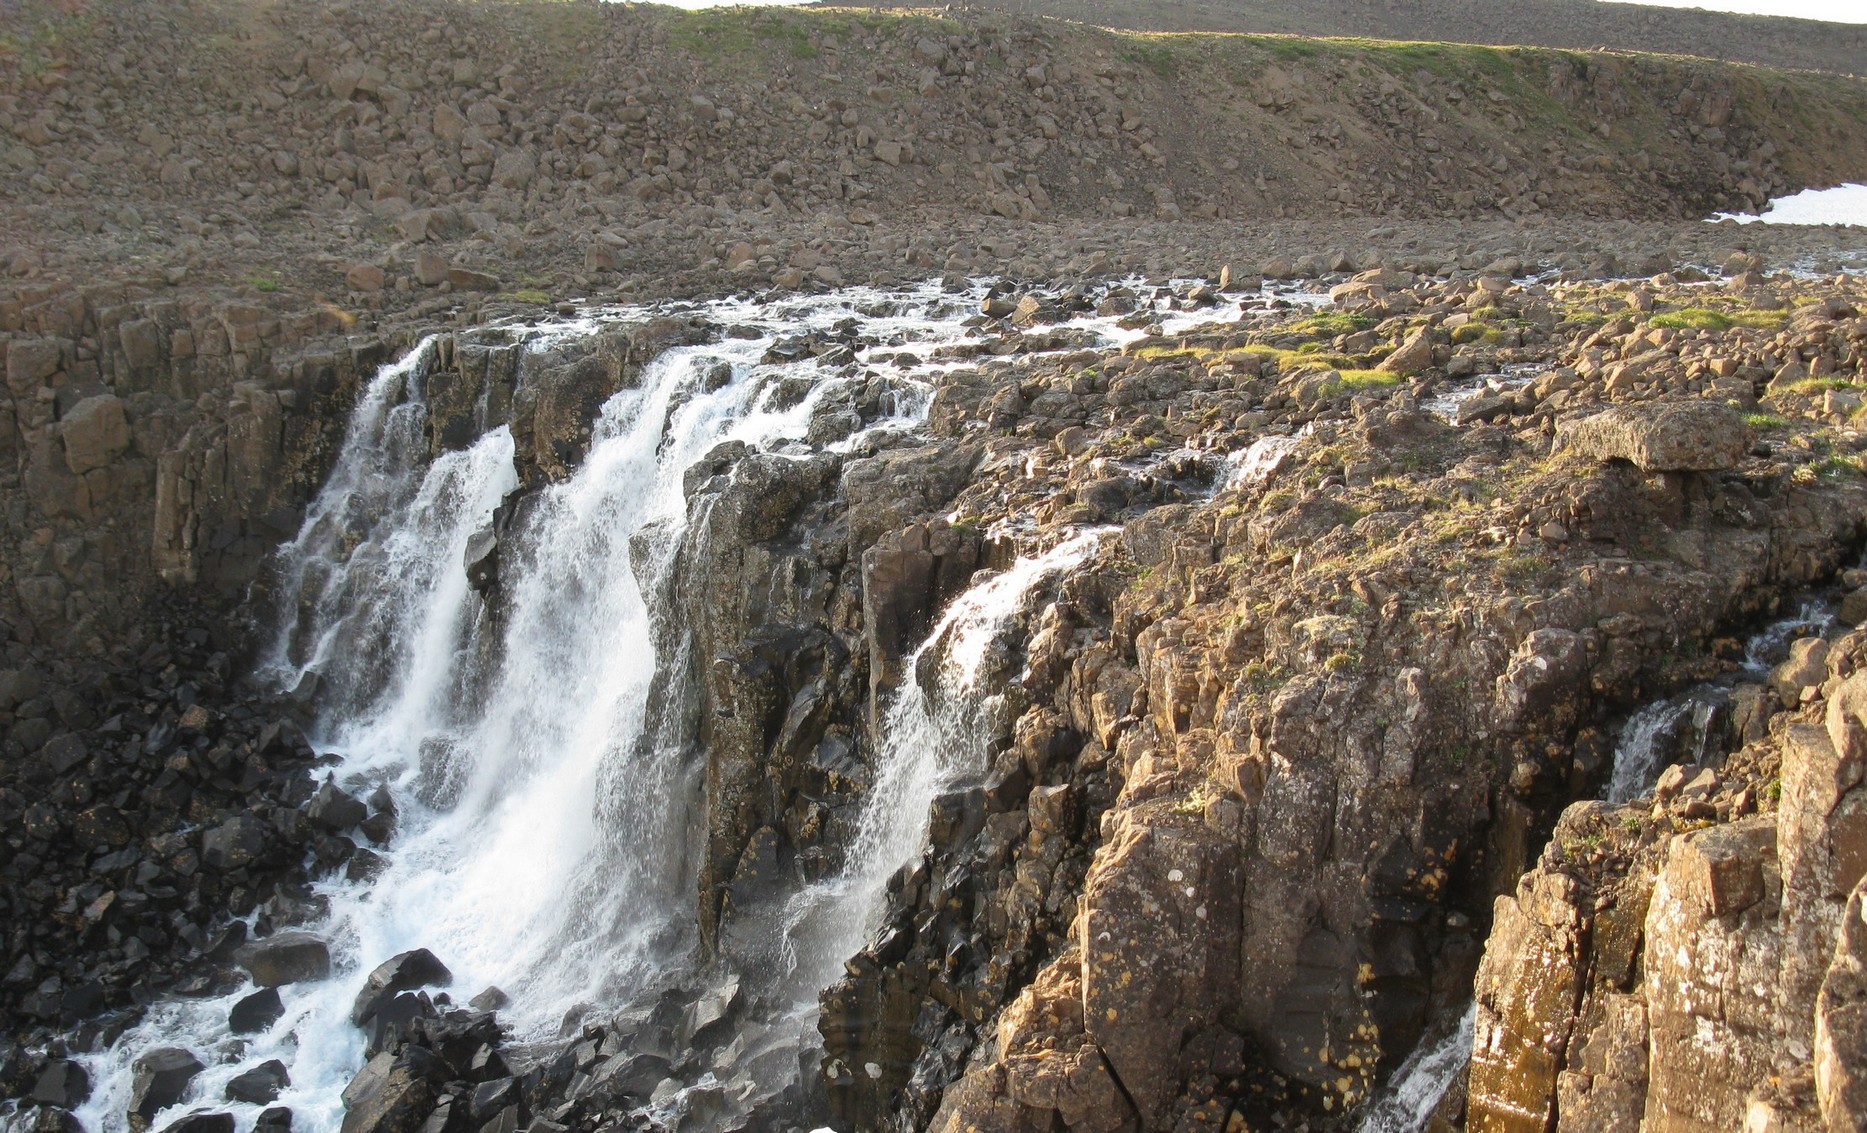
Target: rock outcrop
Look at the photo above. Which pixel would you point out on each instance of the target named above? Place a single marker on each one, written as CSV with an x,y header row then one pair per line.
x,y
1691,962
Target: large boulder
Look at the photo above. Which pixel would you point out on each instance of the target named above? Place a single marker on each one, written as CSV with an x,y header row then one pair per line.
x,y
1680,436
257,1012
394,1093
160,1079
260,1084
403,972
94,431
62,1083
1412,356
287,958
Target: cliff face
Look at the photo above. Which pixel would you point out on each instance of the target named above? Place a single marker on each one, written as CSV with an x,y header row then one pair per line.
x,y
154,440
1280,746
1694,961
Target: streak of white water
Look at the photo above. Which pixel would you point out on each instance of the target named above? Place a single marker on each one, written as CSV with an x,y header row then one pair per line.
x,y
544,820
1645,740
1407,1102
1257,462
934,736
1659,731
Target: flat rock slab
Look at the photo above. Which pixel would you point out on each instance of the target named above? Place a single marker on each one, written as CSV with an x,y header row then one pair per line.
x,y
287,958
1676,436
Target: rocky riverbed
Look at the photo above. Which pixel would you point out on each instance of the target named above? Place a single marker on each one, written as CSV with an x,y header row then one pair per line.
x,y
580,567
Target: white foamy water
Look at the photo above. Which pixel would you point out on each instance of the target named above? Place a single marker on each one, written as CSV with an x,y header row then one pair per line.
x,y
1844,204
1256,462
935,736
1408,1100
1680,728
545,821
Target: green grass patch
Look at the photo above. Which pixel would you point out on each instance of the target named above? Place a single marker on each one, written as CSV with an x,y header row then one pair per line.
x,y
1838,468
1765,422
714,33
1716,319
1692,318
263,283
529,295
1809,387
1357,380
1332,323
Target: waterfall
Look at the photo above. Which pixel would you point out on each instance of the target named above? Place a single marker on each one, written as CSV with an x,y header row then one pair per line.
x,y
934,736
1408,1100
545,824
1684,726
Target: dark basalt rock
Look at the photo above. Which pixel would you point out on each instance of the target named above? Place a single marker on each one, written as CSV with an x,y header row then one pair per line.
x,y
394,1093
288,958
201,1123
257,1012
335,809
259,1085
63,1083
161,1079
403,972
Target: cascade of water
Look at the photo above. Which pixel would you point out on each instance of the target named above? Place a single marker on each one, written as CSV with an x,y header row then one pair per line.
x,y
1685,725
934,735
1647,737
1407,1102
544,823
1257,461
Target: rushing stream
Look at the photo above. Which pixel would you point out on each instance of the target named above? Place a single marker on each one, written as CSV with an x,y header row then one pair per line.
x,y
1684,728
546,826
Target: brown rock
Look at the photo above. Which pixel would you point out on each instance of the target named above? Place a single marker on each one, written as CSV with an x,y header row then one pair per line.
x,y
94,432
1683,436
1413,355
465,279
366,277
29,361
1160,937
1841,1025
430,269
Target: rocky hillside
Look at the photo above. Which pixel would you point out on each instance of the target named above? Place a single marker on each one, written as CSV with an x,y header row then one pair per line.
x,y
324,146
1772,41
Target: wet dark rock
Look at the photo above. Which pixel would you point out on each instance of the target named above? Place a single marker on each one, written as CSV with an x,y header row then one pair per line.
x,y
51,1119
633,1076
63,1083
259,1085
404,972
489,1098
237,842
394,1093
392,1021
256,1012
335,809
492,999
287,958
201,1123
160,1079
481,559
275,1119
